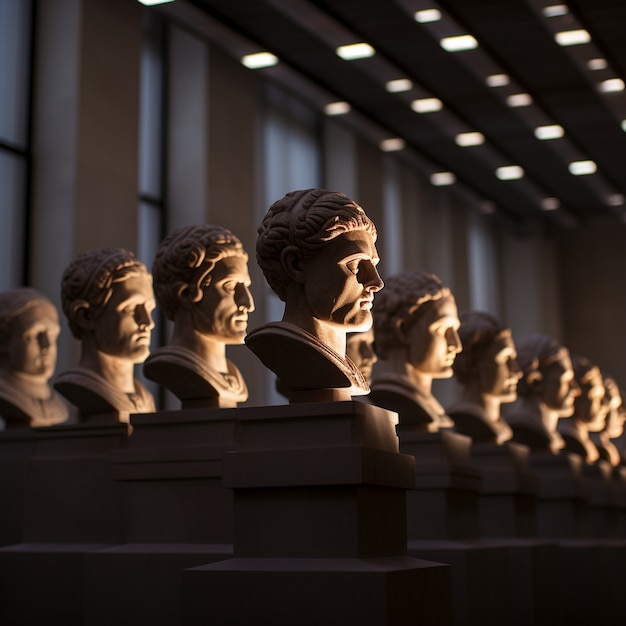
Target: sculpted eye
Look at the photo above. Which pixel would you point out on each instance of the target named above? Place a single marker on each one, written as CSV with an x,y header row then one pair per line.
x,y
229,287
353,266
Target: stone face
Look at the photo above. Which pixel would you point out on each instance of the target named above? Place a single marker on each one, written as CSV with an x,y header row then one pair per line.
x,y
317,251
202,285
108,300
29,328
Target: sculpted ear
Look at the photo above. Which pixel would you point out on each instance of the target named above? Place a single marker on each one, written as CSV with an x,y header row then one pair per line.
x,y
83,315
291,261
534,379
401,333
189,294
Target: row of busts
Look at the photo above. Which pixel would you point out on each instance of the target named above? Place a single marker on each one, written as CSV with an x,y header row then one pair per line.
x,y
317,251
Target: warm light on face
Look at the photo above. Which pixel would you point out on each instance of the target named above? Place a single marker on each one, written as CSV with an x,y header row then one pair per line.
x,y
337,108
582,168
519,100
510,172
497,80
427,15
259,60
458,43
611,85
442,179
426,105
398,85
553,131
572,37
469,139
355,51
393,144
550,204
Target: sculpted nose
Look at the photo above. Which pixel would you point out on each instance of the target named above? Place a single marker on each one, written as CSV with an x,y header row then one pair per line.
x,y
371,279
143,317
243,298
44,341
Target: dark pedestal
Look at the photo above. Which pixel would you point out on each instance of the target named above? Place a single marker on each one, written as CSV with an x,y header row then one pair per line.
x,y
601,507
319,526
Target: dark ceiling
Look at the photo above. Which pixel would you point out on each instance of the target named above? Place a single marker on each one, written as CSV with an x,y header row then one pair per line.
x,y
514,38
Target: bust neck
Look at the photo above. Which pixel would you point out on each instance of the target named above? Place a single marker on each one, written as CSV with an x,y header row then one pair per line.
x,y
117,372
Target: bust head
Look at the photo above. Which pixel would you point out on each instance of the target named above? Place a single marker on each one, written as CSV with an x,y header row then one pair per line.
x,y
107,298
613,402
316,250
417,314
201,275
589,409
488,361
360,350
29,328
547,374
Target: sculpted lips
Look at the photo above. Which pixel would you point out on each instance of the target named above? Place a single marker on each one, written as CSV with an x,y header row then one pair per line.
x,y
366,304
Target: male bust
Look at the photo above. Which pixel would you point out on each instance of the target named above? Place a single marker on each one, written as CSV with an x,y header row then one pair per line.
x,y
415,325
360,350
589,413
546,393
613,425
317,251
201,283
29,328
488,373
108,301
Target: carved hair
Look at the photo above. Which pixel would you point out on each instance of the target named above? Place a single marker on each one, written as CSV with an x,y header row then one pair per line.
x,y
185,260
88,281
306,219
477,332
534,354
399,303
15,302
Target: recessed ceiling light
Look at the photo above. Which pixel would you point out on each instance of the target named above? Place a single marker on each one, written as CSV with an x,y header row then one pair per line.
x,y
337,108
150,3
615,199
497,80
550,204
469,139
582,168
510,172
259,60
442,179
355,51
611,85
398,85
519,100
458,43
553,131
426,105
572,37
393,144
597,64
554,10
427,15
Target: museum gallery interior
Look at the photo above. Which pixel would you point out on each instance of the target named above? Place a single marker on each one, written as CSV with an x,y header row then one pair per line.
x,y
311,312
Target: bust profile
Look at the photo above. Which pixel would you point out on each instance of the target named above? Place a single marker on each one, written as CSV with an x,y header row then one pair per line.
x,y
589,413
488,374
415,325
317,251
29,328
545,393
613,425
201,283
360,350
107,298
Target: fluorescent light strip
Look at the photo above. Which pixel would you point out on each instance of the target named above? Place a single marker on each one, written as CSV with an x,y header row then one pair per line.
x,y
497,80
582,168
555,10
624,125
611,85
259,60
615,199
469,139
442,179
553,131
393,144
426,105
510,172
355,51
398,85
597,64
458,43
337,108
519,100
550,204
572,37
151,3
427,15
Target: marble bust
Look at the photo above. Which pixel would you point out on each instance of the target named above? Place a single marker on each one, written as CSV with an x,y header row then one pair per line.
x,y
488,373
589,413
545,393
613,425
415,325
107,298
360,350
29,328
317,251
201,283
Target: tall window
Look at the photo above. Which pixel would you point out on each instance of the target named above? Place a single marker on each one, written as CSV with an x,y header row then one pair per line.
x,y
15,79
